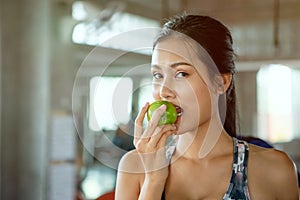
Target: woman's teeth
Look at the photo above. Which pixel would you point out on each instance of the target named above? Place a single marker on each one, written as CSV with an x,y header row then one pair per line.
x,y
179,111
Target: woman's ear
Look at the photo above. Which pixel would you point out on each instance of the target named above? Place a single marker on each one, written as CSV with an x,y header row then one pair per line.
x,y
223,82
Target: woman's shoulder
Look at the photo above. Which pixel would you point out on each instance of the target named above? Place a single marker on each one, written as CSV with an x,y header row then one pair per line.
x,y
131,163
128,179
270,156
273,166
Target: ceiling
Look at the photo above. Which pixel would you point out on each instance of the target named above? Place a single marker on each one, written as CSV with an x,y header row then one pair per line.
x,y
232,12
262,29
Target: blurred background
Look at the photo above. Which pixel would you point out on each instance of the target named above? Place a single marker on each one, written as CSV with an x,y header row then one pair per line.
x,y
70,89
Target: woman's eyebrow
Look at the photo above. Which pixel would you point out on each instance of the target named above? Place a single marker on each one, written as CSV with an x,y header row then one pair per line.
x,y
180,63
155,67
173,65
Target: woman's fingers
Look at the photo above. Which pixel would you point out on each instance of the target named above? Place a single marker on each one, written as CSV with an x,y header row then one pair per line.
x,y
140,117
163,140
138,129
152,125
160,135
150,142
154,136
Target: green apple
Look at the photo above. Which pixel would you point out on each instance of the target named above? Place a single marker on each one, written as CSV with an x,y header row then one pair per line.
x,y
169,116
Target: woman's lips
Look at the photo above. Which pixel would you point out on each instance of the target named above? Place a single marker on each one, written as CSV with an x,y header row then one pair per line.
x,y
179,111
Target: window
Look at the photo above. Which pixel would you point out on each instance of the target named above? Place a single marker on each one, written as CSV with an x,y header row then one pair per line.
x,y
145,94
278,103
100,27
110,102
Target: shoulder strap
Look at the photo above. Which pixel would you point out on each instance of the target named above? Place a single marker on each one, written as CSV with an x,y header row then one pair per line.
x,y
238,187
169,152
240,156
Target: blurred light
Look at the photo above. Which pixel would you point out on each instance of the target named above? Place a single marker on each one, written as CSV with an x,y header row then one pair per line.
x,y
106,109
99,180
145,94
91,188
103,31
78,11
274,86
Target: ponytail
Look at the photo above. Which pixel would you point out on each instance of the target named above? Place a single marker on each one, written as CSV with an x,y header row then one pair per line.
x,y
230,125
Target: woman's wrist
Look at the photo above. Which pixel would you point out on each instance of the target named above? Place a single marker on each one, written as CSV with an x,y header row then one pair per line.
x,y
152,189
153,182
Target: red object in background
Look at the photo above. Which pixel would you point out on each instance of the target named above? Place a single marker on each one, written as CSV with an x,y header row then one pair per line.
x,y
107,196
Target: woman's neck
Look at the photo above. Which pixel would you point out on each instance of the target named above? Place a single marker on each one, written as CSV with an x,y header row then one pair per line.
x,y
208,141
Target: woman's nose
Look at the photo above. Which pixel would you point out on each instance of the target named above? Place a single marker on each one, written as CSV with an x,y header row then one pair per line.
x,y
166,92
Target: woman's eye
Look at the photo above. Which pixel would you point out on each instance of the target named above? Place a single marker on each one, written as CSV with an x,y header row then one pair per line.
x,y
181,74
157,75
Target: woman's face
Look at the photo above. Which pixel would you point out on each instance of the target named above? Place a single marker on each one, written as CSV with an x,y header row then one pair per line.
x,y
176,79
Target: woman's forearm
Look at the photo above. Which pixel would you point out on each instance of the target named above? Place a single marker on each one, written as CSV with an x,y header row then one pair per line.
x,y
151,190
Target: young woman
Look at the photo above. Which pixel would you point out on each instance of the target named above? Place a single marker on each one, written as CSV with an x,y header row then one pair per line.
x,y
193,68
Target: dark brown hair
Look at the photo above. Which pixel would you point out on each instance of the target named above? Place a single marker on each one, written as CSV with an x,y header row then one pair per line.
x,y
216,39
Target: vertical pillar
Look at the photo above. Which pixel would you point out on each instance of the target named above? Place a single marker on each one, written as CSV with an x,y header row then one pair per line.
x,y
0,99
34,98
9,98
247,102
25,98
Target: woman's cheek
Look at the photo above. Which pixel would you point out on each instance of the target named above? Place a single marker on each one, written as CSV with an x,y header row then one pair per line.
x,y
191,114
156,92
189,121
155,87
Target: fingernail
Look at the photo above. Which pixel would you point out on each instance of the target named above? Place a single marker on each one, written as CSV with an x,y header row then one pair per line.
x,y
174,127
146,105
163,107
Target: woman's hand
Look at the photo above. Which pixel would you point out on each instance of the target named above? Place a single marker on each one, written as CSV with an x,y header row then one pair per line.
x,y
151,145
